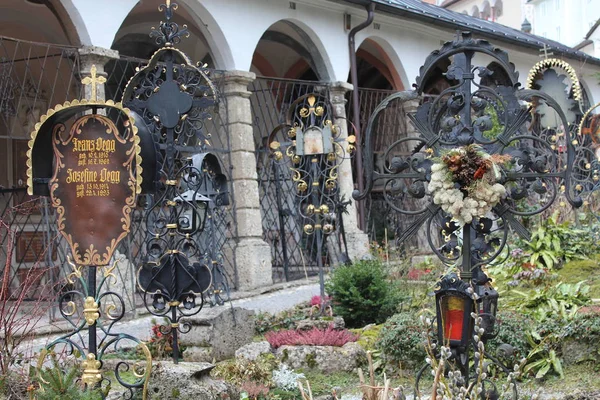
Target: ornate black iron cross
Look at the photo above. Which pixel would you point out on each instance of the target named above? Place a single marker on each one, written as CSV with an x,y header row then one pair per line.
x,y
480,116
173,99
474,110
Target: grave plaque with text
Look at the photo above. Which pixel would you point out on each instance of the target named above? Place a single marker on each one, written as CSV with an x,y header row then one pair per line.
x,y
93,188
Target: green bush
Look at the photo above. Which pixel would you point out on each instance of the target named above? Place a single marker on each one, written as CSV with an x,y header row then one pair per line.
x,y
362,293
512,328
585,328
402,340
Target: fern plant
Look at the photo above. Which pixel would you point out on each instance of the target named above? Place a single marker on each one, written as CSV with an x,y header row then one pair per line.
x,y
552,243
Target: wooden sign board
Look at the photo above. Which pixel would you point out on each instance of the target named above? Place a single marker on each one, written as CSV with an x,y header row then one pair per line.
x,y
94,185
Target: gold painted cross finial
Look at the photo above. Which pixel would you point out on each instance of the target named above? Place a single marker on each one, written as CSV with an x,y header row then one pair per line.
x,y
93,80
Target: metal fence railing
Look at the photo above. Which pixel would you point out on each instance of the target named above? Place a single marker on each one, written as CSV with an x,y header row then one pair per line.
x,y
34,77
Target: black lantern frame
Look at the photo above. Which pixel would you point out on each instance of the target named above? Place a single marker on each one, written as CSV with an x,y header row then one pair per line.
x,y
454,306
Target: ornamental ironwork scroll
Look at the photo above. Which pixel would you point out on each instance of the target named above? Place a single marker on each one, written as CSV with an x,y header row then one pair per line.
x,y
499,128
559,79
174,98
312,147
96,174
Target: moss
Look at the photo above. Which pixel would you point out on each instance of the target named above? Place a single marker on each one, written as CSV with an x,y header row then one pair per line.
x,y
368,336
583,270
175,393
310,360
322,384
577,377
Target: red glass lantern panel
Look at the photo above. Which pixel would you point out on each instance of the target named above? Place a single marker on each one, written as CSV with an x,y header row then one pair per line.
x,y
453,317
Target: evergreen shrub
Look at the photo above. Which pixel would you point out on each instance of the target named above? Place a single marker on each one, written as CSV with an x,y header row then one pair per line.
x,y
363,293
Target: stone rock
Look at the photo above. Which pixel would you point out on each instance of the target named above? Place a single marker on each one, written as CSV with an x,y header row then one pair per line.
x,y
198,354
254,350
217,333
308,324
575,351
186,380
582,394
327,359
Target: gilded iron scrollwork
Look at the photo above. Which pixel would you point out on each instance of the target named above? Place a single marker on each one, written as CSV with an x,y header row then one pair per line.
x,y
93,173
99,309
311,146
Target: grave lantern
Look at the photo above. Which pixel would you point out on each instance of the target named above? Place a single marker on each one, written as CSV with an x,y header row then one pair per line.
x,y
193,209
454,306
487,306
313,139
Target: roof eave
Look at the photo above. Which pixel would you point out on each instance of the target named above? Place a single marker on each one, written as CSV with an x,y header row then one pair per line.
x,y
392,10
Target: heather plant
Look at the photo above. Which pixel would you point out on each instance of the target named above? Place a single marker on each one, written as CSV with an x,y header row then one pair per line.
x,y
363,293
253,391
160,342
313,337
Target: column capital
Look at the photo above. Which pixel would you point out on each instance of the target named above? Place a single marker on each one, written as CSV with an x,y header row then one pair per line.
x,y
341,87
236,83
98,51
98,56
338,92
241,77
90,55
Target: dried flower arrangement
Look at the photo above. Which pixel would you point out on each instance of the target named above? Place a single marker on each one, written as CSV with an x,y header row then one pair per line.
x,y
464,182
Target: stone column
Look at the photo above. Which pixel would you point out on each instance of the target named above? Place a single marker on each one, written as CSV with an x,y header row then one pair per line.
x,y
358,241
252,253
98,56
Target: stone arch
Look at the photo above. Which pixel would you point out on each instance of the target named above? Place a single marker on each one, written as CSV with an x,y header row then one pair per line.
x,y
203,45
72,21
381,55
292,50
587,98
49,22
